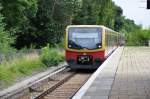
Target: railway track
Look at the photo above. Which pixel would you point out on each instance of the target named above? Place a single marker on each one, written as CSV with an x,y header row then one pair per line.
x,y
63,84
42,89
69,88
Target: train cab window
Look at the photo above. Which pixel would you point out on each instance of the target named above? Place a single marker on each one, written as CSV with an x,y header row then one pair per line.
x,y
85,38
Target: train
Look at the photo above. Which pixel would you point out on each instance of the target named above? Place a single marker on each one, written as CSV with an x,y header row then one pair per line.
x,y
88,46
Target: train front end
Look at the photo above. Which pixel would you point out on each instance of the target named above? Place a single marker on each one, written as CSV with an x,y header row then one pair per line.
x,y
84,47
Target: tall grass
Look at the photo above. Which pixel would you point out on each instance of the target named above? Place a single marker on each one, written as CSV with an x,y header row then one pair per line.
x,y
18,67
28,63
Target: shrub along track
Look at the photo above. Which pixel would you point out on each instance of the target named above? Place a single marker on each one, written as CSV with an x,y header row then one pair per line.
x,y
61,85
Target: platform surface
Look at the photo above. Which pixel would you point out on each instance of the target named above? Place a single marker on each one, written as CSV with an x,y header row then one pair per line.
x,y
125,75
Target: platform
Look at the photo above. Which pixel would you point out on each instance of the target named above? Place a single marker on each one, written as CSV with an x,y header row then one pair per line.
x,y
124,75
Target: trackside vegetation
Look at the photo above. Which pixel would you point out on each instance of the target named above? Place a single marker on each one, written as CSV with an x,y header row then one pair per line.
x,y
9,71
51,56
29,63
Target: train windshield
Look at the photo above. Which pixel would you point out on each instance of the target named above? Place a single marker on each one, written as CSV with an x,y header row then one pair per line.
x,y
84,38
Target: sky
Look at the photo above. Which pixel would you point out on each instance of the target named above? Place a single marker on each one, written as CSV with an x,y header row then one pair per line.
x,y
135,10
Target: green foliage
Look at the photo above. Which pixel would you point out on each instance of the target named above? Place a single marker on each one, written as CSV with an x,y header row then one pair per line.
x,y
138,37
26,64
100,12
5,75
38,22
18,17
61,44
51,57
5,39
18,13
17,67
52,18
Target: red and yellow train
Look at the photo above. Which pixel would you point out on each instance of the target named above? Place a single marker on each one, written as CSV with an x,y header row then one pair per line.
x,y
87,46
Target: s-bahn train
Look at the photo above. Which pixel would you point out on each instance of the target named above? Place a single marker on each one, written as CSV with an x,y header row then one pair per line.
x,y
87,46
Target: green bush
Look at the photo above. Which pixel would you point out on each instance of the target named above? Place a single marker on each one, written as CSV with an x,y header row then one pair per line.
x,y
51,57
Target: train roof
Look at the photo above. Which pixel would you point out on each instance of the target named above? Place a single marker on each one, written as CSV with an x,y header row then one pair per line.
x,y
85,26
91,26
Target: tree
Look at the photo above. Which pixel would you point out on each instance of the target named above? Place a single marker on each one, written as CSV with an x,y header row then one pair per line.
x,y
5,39
100,12
119,19
18,16
52,18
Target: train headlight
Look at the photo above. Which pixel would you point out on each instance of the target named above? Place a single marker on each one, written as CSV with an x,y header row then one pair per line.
x,y
99,46
69,46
